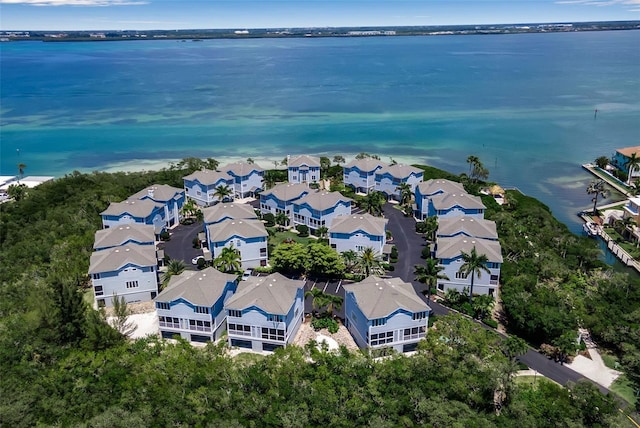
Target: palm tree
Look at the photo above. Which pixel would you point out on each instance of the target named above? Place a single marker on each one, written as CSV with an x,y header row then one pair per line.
x,y
222,192
324,300
189,208
429,274
350,259
228,260
282,219
472,161
369,263
250,161
338,159
474,264
372,203
175,267
405,193
596,188
631,164
21,167
322,231
482,306
318,298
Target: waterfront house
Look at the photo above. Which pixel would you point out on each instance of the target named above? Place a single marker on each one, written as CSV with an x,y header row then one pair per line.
x,y
455,204
357,232
201,186
134,233
228,211
192,305
281,197
472,227
130,271
171,197
249,237
426,190
319,208
385,313
632,209
303,169
448,251
265,312
247,178
388,178
360,174
621,158
135,211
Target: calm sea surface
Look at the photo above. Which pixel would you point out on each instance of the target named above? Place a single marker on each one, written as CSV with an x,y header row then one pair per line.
x,y
523,103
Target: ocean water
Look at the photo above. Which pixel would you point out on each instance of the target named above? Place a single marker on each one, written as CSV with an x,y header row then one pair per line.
x,y
523,103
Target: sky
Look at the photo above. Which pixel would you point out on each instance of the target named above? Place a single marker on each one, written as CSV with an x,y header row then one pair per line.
x,y
69,15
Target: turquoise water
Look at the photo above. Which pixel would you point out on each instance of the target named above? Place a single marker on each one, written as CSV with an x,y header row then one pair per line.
x,y
523,103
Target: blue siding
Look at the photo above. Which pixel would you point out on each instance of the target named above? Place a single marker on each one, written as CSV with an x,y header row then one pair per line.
x,y
360,323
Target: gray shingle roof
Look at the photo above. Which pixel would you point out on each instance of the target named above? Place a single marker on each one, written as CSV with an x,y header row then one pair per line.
x,y
399,170
287,191
366,164
113,259
118,235
243,228
380,297
274,294
321,200
470,226
241,168
448,248
303,160
159,193
134,207
208,177
233,211
202,288
449,200
432,186
365,222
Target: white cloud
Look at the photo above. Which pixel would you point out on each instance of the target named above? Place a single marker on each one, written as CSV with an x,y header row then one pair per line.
x,y
77,2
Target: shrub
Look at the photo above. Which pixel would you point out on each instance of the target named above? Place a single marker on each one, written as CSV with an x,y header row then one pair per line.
x,y
303,230
391,268
426,252
270,219
263,269
490,322
394,252
328,323
201,263
421,227
165,236
195,243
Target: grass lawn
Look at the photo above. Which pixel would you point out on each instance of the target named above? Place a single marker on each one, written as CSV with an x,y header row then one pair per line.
x,y
623,388
248,358
88,296
281,236
610,360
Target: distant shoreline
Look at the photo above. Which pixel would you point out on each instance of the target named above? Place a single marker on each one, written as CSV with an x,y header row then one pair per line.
x,y
282,33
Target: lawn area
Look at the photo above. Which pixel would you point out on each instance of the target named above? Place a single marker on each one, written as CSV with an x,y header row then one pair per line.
x,y
88,296
248,358
623,388
278,237
629,247
610,360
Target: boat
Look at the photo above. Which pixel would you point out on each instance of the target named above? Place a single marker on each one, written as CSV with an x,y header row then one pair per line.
x,y
591,229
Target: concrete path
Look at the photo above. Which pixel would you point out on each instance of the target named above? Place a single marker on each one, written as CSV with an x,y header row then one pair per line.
x,y
593,368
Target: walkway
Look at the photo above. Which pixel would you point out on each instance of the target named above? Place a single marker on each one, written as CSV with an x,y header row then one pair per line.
x,y
610,180
593,367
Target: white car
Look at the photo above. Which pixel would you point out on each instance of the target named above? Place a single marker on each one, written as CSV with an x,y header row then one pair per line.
x,y
246,274
194,261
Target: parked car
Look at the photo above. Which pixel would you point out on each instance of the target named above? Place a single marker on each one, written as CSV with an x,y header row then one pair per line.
x,y
194,261
247,273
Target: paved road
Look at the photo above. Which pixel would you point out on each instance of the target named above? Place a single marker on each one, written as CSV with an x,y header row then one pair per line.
x,y
180,246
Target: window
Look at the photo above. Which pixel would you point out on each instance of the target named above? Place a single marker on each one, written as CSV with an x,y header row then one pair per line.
x,y
381,338
275,318
378,322
198,193
460,275
419,316
132,284
235,313
199,325
96,276
272,334
239,329
162,305
263,252
201,310
98,290
238,243
441,287
414,333
169,322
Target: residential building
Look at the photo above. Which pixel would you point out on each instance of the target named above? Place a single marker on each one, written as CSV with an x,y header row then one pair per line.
x,y
449,227
448,251
247,178
265,312
621,158
426,190
632,209
319,208
119,235
228,211
360,174
201,186
249,237
171,197
130,271
135,211
357,232
385,313
388,178
456,204
192,305
303,169
281,197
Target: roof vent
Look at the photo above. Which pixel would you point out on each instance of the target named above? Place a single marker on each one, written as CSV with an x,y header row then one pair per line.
x,y
116,251
200,279
127,249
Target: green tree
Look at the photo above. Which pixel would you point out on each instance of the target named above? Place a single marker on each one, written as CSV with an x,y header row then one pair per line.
x,y
472,160
323,260
211,164
289,258
372,203
602,162
17,191
70,313
597,188
405,193
120,320
473,264
369,263
429,274
365,155
632,164
567,345
21,168
325,164
322,231
228,260
338,159
282,219
482,306
350,260
513,347
223,192
174,267
250,161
